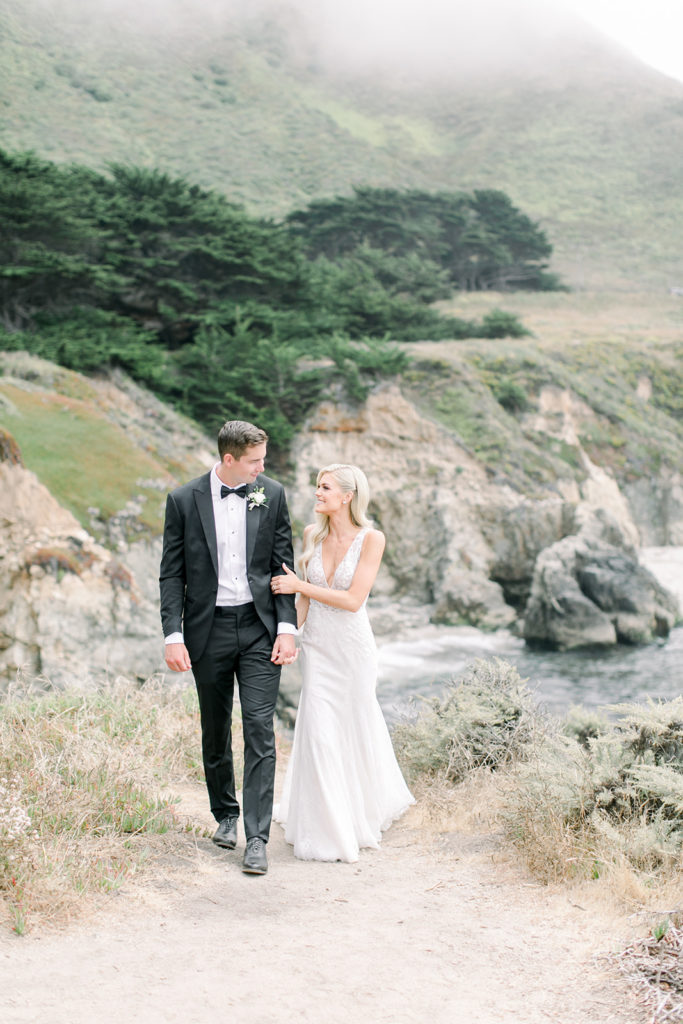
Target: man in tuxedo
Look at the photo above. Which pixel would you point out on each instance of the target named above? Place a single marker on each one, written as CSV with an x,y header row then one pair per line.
x,y
226,534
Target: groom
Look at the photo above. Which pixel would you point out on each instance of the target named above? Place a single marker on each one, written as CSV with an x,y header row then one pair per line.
x,y
226,534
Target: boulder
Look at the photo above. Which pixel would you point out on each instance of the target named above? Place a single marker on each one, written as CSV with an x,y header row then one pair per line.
x,y
638,605
588,589
470,599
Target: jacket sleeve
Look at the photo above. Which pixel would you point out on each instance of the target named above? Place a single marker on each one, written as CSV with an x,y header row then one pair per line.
x,y
172,571
285,608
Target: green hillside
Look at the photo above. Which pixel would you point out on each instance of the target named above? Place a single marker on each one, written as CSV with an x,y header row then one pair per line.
x,y
104,451
585,139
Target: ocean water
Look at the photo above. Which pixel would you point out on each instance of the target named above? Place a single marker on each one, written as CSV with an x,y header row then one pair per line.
x,y
422,664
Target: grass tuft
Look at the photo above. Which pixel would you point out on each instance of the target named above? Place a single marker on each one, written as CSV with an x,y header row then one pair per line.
x,y
85,785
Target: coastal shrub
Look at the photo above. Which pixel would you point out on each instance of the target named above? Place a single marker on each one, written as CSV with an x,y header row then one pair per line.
x,y
578,797
595,796
544,813
501,324
510,394
487,718
585,724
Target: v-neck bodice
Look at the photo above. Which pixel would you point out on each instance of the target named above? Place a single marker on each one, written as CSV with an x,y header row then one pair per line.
x,y
343,574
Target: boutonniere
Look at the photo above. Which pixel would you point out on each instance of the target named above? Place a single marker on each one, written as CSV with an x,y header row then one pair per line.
x,y
257,499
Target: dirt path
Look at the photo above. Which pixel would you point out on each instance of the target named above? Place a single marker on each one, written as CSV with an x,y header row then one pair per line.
x,y
411,933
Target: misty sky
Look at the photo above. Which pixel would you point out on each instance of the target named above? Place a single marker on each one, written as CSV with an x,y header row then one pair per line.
x,y
651,29
449,32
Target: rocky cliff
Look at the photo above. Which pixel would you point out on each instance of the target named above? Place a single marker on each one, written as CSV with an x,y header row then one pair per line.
x,y
78,584
462,546
465,544
70,610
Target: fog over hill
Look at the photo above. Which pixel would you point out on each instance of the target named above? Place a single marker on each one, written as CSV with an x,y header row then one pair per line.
x,y
287,101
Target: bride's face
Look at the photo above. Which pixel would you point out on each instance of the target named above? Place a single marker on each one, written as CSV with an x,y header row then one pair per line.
x,y
329,495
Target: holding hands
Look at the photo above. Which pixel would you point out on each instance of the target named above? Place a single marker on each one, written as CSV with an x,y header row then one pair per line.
x,y
284,652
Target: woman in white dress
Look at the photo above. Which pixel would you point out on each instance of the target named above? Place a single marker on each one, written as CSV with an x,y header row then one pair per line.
x,y
343,786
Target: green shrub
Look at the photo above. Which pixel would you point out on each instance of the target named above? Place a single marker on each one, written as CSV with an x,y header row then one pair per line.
x,y
615,790
486,718
510,394
499,324
585,724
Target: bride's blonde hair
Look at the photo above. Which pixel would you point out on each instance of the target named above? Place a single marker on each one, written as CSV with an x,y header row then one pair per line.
x,y
349,479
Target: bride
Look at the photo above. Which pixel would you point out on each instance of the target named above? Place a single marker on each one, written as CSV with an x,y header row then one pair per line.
x,y
343,785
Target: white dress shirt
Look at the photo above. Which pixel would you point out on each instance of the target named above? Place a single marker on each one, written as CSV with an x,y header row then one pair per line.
x,y
230,518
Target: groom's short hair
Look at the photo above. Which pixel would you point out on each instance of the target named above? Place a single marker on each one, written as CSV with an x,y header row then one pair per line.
x,y
236,436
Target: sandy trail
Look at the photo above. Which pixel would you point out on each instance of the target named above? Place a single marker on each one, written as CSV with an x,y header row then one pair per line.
x,y
411,933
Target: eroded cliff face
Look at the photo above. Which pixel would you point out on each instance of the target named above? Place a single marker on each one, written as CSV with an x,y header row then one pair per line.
x,y
654,501
70,610
461,546
79,600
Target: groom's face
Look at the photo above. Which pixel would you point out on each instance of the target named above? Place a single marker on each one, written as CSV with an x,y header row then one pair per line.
x,y
245,469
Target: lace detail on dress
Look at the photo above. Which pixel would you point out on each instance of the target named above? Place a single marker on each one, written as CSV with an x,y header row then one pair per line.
x,y
345,570
319,614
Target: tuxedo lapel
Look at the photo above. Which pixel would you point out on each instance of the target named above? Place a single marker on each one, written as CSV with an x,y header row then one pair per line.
x,y
204,503
253,520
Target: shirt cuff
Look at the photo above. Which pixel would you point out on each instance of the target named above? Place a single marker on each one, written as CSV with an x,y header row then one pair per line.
x,y
287,627
174,638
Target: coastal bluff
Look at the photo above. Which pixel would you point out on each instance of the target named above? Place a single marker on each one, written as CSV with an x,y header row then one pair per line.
x,y
463,545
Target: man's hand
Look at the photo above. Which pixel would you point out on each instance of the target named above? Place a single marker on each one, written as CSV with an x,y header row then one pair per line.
x,y
284,649
177,658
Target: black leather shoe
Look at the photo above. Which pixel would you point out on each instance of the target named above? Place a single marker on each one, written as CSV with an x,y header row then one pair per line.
x,y
226,833
255,861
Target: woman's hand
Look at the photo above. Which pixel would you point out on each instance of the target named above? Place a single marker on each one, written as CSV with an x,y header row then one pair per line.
x,y
287,584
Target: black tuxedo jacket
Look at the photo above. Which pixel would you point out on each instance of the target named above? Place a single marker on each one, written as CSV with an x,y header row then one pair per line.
x,y
188,577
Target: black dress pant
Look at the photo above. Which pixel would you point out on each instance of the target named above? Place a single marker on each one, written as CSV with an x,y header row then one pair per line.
x,y
239,646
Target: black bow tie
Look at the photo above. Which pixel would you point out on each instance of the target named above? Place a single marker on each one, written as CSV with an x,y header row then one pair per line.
x,y
240,491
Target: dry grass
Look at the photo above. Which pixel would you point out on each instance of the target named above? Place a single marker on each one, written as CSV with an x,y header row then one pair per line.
x,y
88,790
559,319
472,807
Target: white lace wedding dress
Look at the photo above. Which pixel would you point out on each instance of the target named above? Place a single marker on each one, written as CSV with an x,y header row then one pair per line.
x,y
343,786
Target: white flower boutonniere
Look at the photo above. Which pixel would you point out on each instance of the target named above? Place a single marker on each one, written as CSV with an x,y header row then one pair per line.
x,y
257,499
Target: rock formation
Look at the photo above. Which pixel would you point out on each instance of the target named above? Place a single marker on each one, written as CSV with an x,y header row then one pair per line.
x,y
462,547
656,504
589,589
78,605
70,610
427,495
